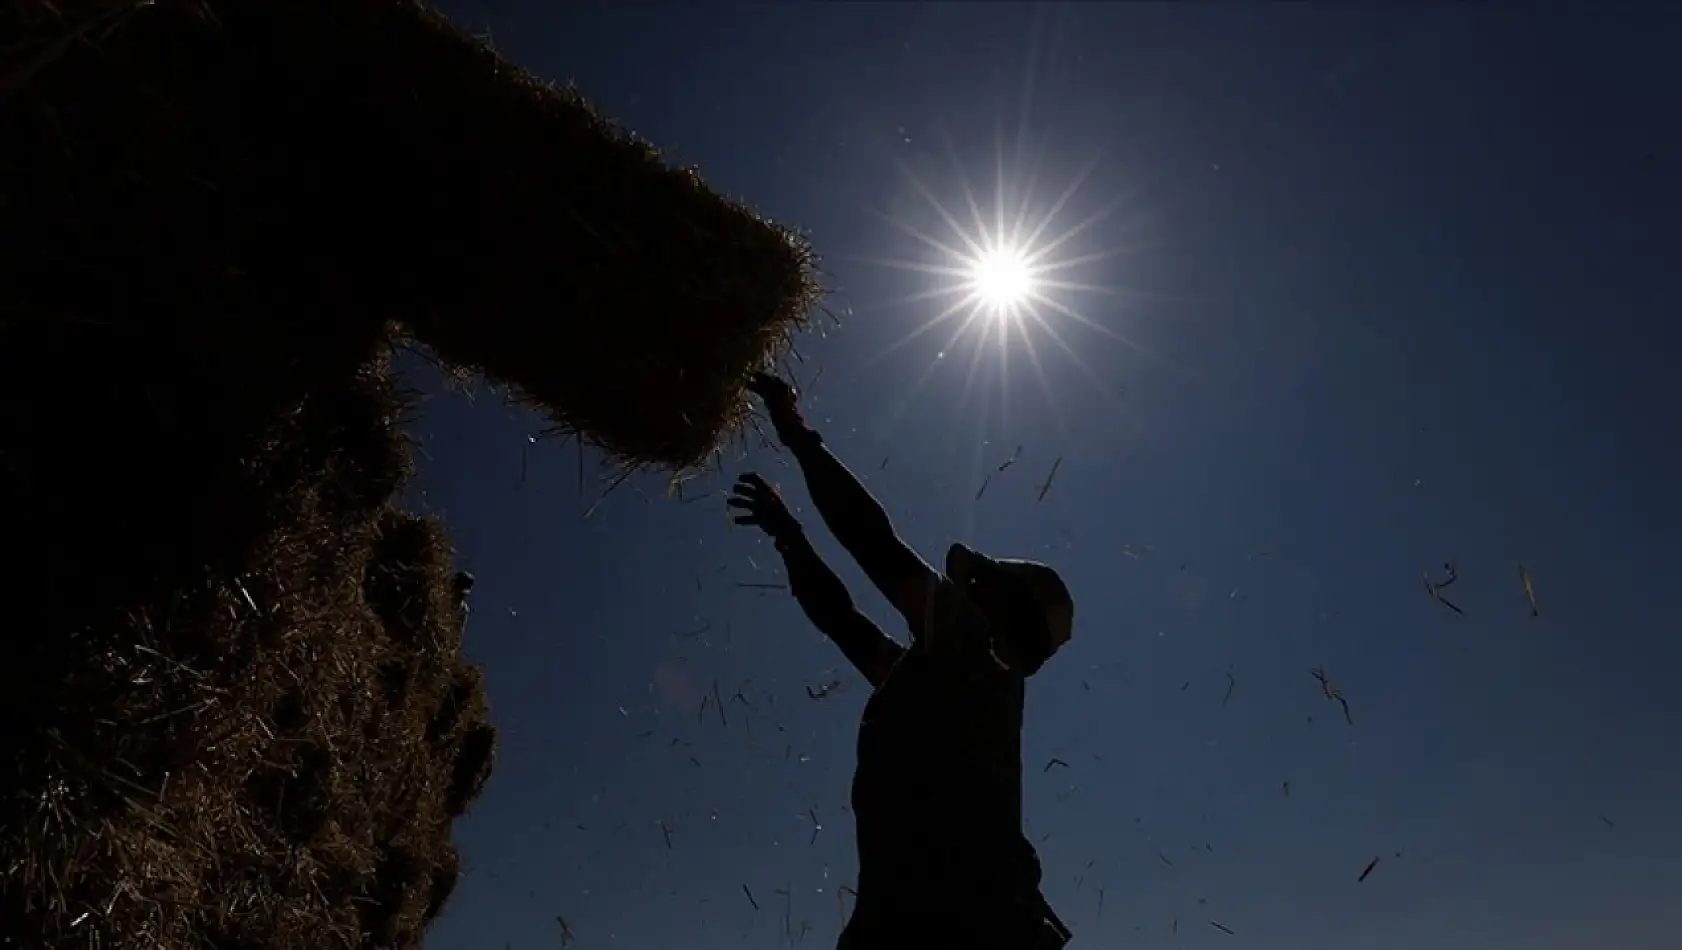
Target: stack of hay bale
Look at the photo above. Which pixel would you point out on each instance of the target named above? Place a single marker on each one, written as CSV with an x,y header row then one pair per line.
x,y
235,713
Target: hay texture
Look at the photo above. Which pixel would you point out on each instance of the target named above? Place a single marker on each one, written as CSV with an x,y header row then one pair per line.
x,y
235,713
364,161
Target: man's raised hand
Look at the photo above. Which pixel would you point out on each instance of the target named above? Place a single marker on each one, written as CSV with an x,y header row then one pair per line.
x,y
762,507
781,404
776,392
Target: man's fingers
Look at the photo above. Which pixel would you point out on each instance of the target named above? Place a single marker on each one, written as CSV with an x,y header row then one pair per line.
x,y
758,490
750,493
756,496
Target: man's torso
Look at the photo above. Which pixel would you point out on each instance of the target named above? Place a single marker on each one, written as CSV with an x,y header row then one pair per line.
x,y
938,792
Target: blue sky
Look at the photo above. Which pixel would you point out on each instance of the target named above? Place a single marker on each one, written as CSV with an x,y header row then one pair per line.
x,y
1372,291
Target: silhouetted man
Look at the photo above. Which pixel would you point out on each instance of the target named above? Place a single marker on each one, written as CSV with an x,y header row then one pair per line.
x,y
937,795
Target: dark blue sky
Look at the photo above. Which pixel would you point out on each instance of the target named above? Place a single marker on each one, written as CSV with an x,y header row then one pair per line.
x,y
1397,288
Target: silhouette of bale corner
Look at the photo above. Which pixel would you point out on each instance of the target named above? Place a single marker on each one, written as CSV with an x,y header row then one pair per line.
x,y
367,161
236,713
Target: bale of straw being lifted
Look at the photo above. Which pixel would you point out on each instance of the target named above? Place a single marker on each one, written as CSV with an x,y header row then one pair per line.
x,y
236,713
344,163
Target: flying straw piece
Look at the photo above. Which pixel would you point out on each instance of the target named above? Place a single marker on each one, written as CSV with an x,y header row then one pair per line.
x,y
1223,928
612,486
750,897
1049,478
788,911
1529,590
1435,590
1230,684
1014,458
718,704
983,489
1368,870
1452,571
1055,761
1333,693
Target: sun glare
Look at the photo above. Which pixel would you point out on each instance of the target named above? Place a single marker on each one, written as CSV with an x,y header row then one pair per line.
x,y
1006,273
1002,280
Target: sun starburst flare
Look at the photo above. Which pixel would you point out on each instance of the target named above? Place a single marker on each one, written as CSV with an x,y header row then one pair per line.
x,y
1001,280
1004,278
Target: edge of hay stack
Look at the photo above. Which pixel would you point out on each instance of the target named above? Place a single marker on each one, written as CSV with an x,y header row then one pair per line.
x,y
369,161
237,714
619,295
264,749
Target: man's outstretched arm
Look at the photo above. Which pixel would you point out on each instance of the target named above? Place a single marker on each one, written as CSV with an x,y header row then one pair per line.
x,y
850,512
820,592
824,598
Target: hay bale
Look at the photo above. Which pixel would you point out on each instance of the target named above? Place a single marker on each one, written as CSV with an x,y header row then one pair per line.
x,y
338,163
206,754
236,714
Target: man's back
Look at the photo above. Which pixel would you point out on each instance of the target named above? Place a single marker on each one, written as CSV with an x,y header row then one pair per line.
x,y
937,795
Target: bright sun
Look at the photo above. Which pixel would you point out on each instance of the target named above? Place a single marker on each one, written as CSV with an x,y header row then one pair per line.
x,y
1002,280
1007,276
